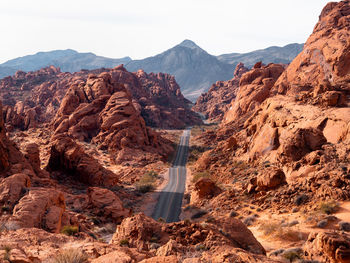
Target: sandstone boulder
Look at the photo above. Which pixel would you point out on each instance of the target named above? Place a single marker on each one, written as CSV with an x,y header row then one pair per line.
x,y
328,247
13,188
205,188
107,203
270,179
67,155
254,88
138,230
41,208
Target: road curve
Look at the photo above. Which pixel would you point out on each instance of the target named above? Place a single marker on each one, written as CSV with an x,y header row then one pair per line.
x,y
170,198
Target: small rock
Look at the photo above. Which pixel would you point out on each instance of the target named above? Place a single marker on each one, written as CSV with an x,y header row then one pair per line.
x,y
322,223
295,210
344,226
233,214
293,223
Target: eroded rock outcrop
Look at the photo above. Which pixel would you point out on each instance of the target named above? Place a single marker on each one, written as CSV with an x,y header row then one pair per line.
x,y
41,208
105,202
296,120
328,247
33,98
254,88
140,231
214,103
320,73
66,155
101,110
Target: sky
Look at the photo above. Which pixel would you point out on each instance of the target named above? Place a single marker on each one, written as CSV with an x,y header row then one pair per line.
x,y
143,28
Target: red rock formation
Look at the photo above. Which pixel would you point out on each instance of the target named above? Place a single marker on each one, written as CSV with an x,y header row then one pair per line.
x,y
42,208
214,103
204,188
298,123
323,66
328,247
176,238
101,110
67,156
254,88
33,98
12,189
104,201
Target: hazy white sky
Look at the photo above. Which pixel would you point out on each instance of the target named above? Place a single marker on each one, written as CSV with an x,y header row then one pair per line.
x,y
142,28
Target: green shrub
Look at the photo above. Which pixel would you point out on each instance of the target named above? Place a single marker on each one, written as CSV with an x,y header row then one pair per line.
x,y
70,230
199,175
70,256
7,252
161,220
145,188
146,182
292,256
124,242
329,207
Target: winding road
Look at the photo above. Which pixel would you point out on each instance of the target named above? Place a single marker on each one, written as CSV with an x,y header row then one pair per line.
x,y
170,198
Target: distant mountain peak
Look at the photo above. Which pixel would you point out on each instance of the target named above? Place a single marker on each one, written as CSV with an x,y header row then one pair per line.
x,y
189,44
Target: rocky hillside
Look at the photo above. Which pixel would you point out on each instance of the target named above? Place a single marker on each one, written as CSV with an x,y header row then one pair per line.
x,y
283,146
33,98
216,101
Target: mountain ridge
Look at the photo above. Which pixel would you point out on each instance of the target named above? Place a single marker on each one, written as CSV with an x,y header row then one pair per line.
x,y
193,67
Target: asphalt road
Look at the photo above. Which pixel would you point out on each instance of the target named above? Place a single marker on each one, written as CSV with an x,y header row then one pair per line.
x,y
170,198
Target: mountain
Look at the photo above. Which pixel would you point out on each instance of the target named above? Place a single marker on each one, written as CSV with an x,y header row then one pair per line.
x,y
195,70
68,60
283,55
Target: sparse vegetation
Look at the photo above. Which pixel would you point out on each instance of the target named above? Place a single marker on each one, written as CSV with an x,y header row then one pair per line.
x,y
7,252
146,182
292,255
124,243
70,256
199,175
276,230
70,230
161,220
329,207
195,152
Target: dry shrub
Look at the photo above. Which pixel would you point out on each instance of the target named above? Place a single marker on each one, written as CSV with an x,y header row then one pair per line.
x,y
70,256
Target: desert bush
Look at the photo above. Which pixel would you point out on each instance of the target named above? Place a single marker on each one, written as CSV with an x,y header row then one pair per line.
x,y
291,256
328,207
144,188
195,152
276,230
161,220
146,182
70,230
199,175
7,252
124,242
70,256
